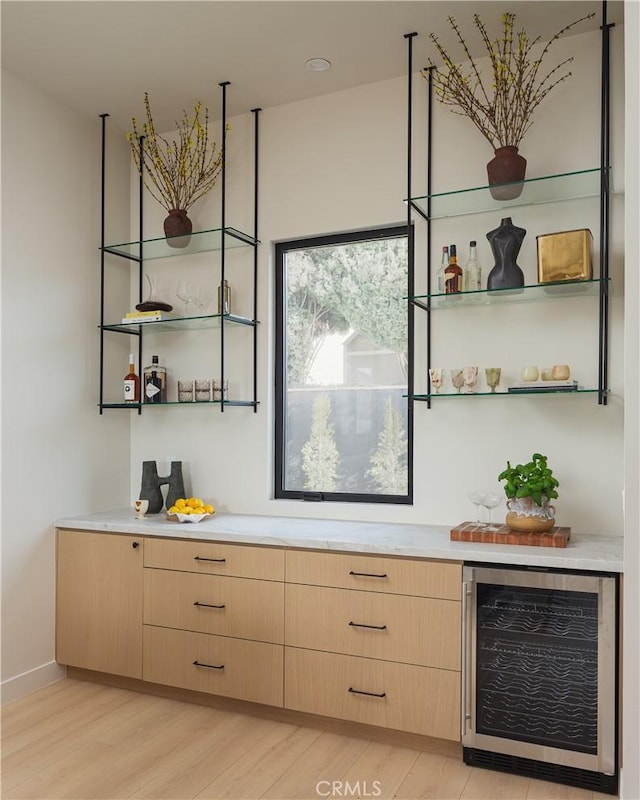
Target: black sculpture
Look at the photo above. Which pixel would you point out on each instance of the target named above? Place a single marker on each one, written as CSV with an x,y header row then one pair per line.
x,y
505,242
151,483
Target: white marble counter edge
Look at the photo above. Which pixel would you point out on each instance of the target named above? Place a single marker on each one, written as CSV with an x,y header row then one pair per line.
x,y
584,552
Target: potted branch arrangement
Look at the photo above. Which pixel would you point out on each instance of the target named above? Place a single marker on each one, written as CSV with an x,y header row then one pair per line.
x,y
501,102
529,488
176,172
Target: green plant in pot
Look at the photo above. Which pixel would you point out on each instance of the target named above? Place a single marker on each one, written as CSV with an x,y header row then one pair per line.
x,y
529,488
500,100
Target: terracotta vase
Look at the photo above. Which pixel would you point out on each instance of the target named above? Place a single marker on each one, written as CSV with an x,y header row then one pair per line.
x,y
526,516
505,172
177,228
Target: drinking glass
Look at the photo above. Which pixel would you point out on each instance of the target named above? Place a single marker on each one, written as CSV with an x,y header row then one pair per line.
x,y
493,377
490,501
437,379
470,378
476,499
185,291
457,379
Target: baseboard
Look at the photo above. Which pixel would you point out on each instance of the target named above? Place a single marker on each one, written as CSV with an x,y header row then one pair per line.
x,y
27,682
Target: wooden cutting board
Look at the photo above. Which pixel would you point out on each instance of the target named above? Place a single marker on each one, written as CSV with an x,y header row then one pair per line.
x,y
476,532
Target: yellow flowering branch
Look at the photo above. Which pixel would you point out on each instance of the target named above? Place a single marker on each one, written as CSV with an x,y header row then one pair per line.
x,y
178,172
501,109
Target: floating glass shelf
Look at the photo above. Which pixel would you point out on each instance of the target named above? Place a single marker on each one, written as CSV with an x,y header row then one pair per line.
x,y
136,406
534,292
519,393
209,321
200,242
547,189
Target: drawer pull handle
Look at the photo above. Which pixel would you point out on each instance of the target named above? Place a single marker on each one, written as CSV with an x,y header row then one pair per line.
x,y
367,574
209,605
373,627
369,694
200,558
197,663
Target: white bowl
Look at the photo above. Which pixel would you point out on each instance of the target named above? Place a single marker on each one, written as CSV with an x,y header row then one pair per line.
x,y
188,517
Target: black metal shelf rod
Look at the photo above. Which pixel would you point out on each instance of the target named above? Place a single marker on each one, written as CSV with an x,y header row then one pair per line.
x,y
102,236
605,96
223,222
256,152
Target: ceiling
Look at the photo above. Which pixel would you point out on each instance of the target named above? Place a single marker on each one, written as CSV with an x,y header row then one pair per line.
x,y
101,56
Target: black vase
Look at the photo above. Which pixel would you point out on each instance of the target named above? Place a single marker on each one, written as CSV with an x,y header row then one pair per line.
x,y
505,242
150,489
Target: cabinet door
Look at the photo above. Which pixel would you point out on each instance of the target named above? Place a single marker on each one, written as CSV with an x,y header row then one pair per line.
x,y
99,602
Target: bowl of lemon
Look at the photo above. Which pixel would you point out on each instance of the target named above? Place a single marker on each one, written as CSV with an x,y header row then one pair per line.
x,y
190,509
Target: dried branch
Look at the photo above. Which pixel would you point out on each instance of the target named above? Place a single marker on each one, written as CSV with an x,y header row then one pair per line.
x,y
178,172
502,108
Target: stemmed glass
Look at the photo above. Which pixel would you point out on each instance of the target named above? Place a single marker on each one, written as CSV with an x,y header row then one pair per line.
x,y
493,377
476,499
490,501
457,379
185,291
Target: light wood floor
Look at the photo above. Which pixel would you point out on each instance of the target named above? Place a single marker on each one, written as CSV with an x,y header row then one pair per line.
x,y
78,739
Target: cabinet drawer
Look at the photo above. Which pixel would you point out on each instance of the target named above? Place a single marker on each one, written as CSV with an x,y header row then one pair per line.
x,y
399,696
441,579
215,559
234,668
414,630
242,607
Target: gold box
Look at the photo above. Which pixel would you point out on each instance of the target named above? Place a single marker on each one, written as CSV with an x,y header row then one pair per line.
x,y
564,256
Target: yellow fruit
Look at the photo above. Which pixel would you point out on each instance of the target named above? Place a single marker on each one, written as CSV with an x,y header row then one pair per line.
x,y
173,510
208,509
192,502
181,502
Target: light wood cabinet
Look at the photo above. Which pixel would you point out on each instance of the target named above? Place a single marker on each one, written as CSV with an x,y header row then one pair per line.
x,y
398,696
213,558
418,578
214,664
412,630
240,607
374,640
99,602
369,639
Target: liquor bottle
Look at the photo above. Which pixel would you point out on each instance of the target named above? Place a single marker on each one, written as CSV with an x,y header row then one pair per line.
x,y
440,273
131,383
155,382
453,273
224,298
473,270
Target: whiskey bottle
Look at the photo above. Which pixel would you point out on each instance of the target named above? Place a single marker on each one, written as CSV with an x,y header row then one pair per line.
x,y
473,270
155,382
132,383
444,262
453,273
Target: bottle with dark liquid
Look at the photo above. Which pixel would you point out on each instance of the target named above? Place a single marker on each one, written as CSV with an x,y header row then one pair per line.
x,y
453,273
132,383
155,382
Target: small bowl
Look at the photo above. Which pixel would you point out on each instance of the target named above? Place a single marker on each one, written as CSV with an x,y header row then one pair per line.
x,y
188,517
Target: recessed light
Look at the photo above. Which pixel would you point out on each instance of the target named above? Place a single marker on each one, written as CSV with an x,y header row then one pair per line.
x,y
318,64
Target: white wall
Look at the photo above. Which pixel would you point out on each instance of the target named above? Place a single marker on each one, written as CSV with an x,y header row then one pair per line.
x,y
337,163
59,457
631,597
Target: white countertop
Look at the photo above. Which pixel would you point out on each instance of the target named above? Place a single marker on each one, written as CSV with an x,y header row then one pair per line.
x,y
584,552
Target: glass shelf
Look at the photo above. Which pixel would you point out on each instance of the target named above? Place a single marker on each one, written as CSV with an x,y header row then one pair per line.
x,y
209,321
200,242
136,406
547,189
556,290
519,393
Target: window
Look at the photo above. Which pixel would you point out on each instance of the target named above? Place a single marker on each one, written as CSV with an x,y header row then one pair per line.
x,y
343,339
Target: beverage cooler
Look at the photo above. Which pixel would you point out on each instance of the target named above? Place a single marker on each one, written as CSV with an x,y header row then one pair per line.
x,y
540,692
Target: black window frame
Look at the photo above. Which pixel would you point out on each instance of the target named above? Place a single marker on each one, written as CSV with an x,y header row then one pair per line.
x,y
281,249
